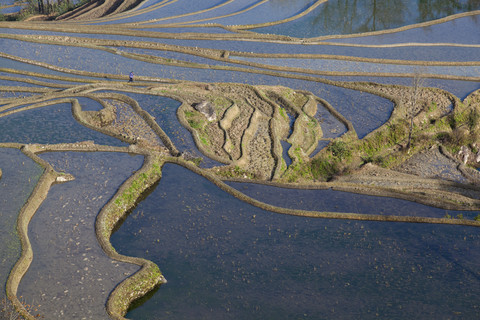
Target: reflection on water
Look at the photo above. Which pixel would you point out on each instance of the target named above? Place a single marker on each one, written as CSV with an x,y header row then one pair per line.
x,y
352,16
224,259
285,147
460,30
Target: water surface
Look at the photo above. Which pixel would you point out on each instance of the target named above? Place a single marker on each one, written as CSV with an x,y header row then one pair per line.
x,y
224,259
50,124
70,276
351,16
19,176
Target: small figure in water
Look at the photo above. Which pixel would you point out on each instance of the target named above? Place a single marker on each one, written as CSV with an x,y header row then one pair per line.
x,y
130,79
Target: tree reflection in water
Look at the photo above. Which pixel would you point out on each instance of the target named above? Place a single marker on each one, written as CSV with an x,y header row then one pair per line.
x,y
354,16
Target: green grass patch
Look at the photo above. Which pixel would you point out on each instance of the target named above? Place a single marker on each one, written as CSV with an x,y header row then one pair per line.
x,y
205,141
195,124
323,169
188,114
312,123
283,113
130,195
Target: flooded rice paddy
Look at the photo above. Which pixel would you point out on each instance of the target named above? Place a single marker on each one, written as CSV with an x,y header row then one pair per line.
x,y
350,17
224,258
70,272
229,260
19,176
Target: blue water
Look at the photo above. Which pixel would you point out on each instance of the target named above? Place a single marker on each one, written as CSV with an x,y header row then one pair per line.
x,y
18,179
16,65
285,147
270,11
334,65
425,52
404,52
338,201
224,259
331,126
51,124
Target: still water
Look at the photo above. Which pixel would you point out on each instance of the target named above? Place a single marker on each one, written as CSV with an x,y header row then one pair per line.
x,y
225,259
70,276
19,176
50,124
352,16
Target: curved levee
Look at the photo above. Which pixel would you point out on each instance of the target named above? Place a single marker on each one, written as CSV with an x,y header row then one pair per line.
x,y
39,194
149,276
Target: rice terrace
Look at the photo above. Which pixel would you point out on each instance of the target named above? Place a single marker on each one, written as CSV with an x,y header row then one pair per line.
x,y
240,159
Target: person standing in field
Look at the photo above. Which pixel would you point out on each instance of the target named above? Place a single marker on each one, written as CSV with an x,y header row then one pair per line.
x,y
130,77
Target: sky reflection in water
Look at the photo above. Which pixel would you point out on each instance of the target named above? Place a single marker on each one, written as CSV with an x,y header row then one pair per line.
x,y
225,259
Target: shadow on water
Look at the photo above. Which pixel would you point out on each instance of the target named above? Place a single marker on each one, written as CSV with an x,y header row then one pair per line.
x,y
460,30
225,259
285,144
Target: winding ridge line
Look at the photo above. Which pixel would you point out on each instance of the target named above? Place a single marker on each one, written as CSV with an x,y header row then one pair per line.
x,y
149,276
296,72
190,23
316,214
26,213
